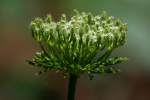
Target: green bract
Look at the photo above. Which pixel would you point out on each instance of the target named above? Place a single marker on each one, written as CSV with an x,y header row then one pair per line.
x,y
82,44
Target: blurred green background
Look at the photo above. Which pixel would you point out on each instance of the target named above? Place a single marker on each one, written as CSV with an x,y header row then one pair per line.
x,y
18,80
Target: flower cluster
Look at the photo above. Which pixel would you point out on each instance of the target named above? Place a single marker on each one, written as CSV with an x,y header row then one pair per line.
x,y
82,44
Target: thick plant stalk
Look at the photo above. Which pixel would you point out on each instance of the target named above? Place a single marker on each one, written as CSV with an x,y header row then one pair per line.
x,y
72,87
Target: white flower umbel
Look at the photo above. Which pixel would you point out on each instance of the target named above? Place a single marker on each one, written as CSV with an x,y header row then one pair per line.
x,y
73,46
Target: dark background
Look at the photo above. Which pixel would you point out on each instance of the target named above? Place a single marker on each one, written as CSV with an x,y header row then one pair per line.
x,y
18,80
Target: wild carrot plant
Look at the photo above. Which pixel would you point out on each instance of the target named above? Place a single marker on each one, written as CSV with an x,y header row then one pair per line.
x,y
81,44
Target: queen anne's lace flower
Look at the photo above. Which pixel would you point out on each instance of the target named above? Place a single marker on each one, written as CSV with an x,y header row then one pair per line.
x,y
75,45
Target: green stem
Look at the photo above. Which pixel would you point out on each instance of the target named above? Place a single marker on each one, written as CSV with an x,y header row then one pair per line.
x,y
72,86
